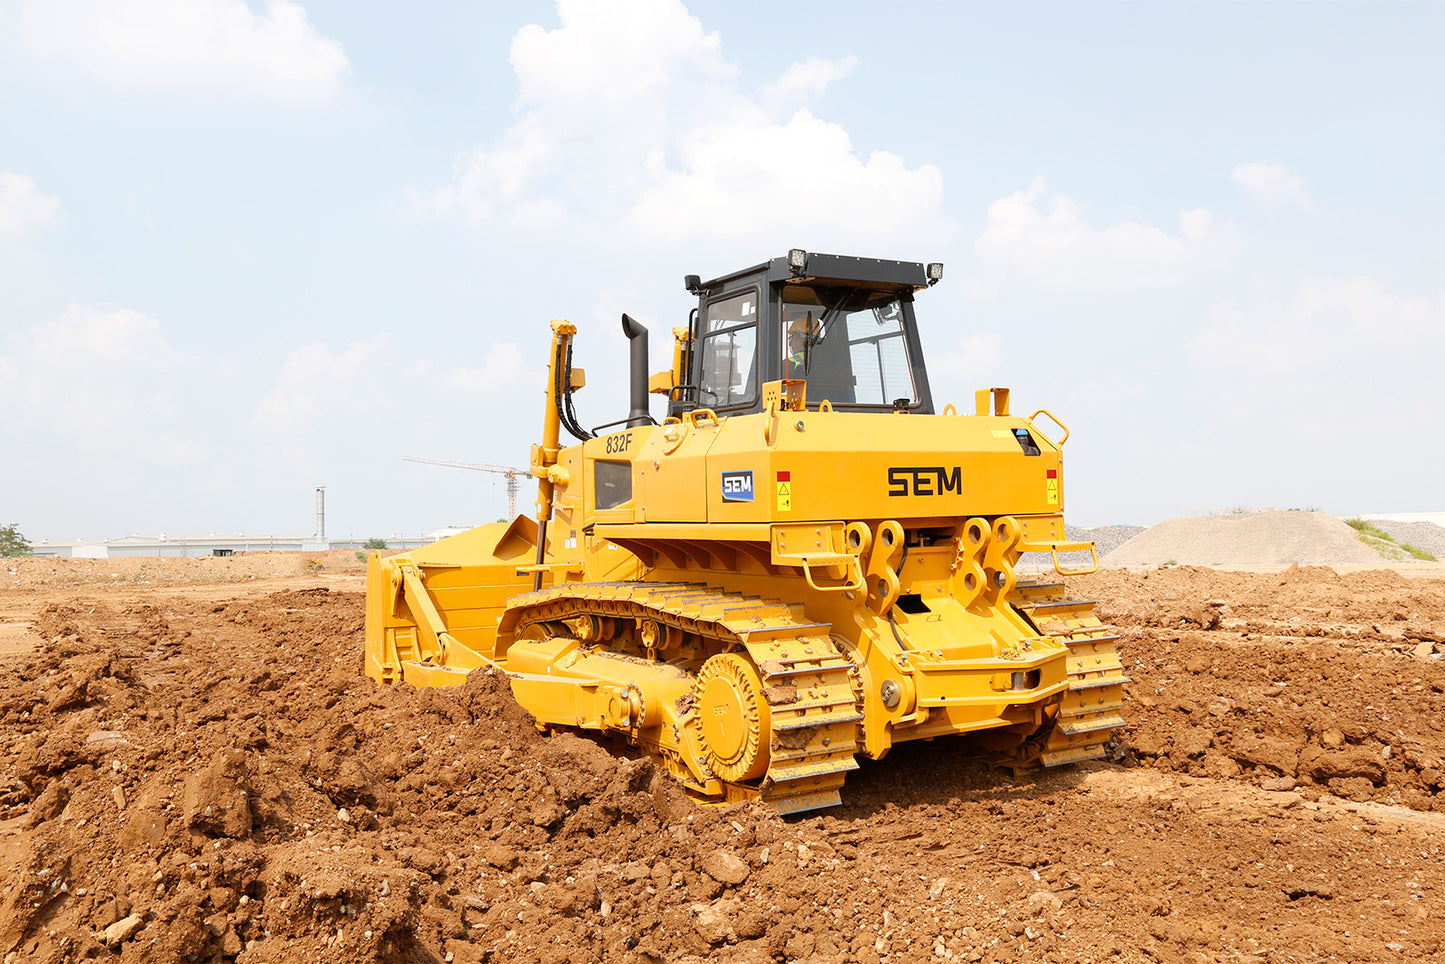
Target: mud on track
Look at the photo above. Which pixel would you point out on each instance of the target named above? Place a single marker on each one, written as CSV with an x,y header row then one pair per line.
x,y
197,772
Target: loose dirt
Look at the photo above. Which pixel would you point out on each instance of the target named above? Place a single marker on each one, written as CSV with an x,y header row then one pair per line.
x,y
198,571
195,771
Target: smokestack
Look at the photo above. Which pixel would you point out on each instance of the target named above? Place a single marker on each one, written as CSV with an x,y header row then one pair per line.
x,y
637,351
321,513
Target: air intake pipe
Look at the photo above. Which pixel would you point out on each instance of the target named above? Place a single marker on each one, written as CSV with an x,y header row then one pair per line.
x,y
637,357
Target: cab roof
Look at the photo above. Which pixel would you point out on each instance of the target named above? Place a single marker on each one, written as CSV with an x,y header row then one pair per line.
x,y
876,272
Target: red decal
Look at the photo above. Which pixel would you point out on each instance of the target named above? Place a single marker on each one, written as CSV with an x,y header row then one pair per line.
x,y
785,476
1052,474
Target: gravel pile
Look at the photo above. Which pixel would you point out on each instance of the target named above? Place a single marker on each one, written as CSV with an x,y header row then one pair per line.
x,y
1247,538
1106,538
1422,535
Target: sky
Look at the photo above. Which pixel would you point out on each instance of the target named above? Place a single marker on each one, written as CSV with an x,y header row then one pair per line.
x,y
247,248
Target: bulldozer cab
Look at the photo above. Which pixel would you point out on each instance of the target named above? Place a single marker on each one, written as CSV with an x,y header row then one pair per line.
x,y
844,325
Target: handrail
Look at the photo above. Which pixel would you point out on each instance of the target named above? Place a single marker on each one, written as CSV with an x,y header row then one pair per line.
x,y
854,577
1054,548
1093,551
1055,419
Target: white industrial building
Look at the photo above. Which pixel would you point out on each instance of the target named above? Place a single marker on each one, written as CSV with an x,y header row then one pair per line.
x,y
215,545
225,545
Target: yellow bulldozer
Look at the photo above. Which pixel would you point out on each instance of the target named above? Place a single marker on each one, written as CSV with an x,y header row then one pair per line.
x,y
803,563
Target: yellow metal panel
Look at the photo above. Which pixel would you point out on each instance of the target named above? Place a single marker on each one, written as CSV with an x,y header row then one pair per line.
x,y
562,701
852,465
662,530
667,481
740,448
847,465
429,674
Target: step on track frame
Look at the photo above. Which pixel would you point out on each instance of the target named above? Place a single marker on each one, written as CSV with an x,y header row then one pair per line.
x,y
1092,707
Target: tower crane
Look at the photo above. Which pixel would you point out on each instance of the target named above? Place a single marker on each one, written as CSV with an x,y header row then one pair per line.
x,y
511,474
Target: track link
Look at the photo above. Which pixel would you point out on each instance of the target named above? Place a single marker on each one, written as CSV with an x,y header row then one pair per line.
x,y
1093,705
809,684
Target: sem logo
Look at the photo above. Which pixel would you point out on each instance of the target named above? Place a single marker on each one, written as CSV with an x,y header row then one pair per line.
x,y
737,486
924,480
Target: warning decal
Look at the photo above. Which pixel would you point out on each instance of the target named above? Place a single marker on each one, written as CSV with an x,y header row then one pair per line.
x,y
1052,486
785,492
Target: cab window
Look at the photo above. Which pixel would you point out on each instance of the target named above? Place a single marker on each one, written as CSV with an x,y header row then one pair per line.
x,y
849,344
727,359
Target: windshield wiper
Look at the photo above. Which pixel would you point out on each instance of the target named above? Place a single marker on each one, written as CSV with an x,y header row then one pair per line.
x,y
850,299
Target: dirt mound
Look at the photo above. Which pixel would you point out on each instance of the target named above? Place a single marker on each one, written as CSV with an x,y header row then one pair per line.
x,y
235,789
1245,539
200,774
1302,679
31,573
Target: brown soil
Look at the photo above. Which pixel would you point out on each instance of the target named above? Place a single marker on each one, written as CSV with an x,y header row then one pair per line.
x,y
196,771
153,571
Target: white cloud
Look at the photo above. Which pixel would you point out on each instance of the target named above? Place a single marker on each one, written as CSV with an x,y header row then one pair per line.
x,y
24,211
91,343
315,384
804,82
631,118
801,178
978,360
318,390
503,370
1331,392
616,52
1271,183
118,429
106,381
1056,246
1329,325
202,46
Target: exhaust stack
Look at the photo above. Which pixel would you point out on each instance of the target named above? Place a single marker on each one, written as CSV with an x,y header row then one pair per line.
x,y
637,357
